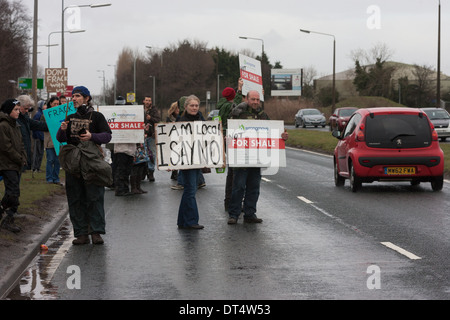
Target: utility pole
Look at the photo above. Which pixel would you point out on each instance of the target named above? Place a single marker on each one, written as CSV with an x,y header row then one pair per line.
x,y
35,39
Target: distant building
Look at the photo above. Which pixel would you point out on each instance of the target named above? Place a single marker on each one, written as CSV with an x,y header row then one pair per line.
x,y
346,88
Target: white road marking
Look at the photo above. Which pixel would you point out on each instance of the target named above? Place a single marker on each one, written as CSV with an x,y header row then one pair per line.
x,y
305,200
401,250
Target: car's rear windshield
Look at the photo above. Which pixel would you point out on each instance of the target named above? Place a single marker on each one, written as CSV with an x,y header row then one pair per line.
x,y
397,131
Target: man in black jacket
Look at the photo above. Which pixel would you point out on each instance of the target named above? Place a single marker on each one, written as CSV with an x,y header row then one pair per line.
x,y
27,125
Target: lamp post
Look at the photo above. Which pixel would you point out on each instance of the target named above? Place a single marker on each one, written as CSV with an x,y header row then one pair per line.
x,y
104,86
154,97
115,81
438,84
334,63
248,38
51,45
218,86
92,6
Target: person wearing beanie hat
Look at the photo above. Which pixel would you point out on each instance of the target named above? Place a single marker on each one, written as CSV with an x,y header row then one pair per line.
x,y
12,159
225,107
229,93
85,199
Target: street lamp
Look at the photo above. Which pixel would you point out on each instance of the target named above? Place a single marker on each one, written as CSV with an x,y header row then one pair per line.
x,y
115,81
49,45
154,96
438,92
248,38
92,6
334,63
218,85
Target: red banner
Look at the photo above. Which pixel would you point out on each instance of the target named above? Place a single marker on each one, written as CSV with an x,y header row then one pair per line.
x,y
256,143
126,125
245,75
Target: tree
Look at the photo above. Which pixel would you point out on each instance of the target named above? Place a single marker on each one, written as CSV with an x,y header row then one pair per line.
x,y
14,42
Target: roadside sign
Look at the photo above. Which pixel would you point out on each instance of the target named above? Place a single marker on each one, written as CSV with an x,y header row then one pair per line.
x,y
27,83
131,97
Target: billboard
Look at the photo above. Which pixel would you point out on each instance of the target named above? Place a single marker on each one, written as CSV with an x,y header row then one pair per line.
x,y
286,82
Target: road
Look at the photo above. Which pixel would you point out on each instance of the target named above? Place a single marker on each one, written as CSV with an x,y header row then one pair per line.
x,y
317,241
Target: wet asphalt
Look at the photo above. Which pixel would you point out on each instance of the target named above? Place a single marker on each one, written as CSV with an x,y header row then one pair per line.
x,y
317,242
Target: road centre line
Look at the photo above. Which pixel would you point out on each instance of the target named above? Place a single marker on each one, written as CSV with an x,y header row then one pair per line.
x,y
305,200
401,250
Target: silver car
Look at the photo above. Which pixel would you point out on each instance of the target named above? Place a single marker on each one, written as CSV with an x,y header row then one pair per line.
x,y
440,119
310,117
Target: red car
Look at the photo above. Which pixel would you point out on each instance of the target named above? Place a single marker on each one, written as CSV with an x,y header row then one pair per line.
x,y
388,144
340,118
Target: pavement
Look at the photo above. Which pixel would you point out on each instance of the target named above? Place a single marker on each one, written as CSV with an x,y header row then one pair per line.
x,y
13,266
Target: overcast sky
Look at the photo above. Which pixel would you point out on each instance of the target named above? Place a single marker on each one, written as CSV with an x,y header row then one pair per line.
x,y
407,27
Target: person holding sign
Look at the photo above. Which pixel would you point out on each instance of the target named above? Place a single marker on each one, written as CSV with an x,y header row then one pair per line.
x,y
247,181
86,200
188,211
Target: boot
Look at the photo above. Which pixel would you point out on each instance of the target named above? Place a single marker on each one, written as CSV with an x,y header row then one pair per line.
x,y
150,175
8,224
138,186
133,182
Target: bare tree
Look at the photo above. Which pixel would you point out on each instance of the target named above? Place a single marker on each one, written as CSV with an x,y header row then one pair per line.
x,y
14,42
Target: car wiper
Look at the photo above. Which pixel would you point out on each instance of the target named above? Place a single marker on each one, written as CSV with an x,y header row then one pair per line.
x,y
403,135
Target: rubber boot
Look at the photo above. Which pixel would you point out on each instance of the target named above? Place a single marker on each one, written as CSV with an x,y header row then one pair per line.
x,y
150,175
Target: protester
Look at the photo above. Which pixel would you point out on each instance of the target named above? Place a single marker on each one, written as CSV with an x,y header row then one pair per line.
x,y
53,166
123,160
247,181
188,216
230,99
12,159
152,116
38,139
26,125
86,200
138,169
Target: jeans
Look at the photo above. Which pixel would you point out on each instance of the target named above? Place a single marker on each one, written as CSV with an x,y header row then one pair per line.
x,y
246,185
151,147
53,166
201,178
188,210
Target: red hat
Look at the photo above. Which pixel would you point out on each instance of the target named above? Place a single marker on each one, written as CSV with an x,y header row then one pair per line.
x,y
229,93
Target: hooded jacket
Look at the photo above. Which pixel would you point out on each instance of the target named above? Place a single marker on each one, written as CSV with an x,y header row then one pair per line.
x,y
12,151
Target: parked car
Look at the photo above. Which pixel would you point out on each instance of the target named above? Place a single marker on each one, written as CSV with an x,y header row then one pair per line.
x,y
340,117
441,121
310,117
388,144
212,114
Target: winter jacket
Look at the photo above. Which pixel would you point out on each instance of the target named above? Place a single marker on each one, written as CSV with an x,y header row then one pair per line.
x,y
244,111
225,107
26,125
12,151
37,134
155,117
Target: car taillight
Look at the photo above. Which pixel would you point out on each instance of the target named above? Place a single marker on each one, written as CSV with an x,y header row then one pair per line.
x,y
360,134
434,135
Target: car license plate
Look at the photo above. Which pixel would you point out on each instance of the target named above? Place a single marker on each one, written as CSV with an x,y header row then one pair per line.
x,y
400,170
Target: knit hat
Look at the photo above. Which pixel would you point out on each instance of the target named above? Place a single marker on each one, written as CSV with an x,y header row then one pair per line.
x,y
229,93
9,105
82,90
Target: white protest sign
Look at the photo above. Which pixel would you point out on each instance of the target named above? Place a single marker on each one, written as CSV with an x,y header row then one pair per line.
x,y
189,145
251,74
126,122
256,143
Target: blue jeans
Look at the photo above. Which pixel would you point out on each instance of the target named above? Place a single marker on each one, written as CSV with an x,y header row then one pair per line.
x,y
151,147
246,185
188,210
180,181
53,166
